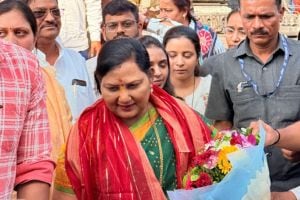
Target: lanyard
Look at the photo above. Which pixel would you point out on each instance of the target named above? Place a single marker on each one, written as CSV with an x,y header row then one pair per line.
x,y
282,70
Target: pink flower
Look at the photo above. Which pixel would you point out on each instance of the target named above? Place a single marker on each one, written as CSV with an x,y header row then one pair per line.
x,y
251,139
207,158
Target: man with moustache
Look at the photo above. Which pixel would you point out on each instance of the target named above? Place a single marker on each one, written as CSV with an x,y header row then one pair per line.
x,y
69,65
260,79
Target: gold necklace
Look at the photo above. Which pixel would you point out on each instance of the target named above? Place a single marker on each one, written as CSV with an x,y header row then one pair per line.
x,y
161,156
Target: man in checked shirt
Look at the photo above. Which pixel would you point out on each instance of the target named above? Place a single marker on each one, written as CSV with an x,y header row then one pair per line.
x,y
25,163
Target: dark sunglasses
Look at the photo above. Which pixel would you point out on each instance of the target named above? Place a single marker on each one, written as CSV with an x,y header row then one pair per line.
x,y
41,13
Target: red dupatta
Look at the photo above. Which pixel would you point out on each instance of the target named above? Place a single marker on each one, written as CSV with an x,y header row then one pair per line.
x,y
112,165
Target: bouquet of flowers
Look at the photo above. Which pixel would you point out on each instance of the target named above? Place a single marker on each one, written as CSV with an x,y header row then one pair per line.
x,y
211,165
229,160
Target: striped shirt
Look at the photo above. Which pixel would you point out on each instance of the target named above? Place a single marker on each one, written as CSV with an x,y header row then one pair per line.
x,y
24,129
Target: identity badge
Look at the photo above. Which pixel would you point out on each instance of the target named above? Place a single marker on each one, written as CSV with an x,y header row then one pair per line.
x,y
243,85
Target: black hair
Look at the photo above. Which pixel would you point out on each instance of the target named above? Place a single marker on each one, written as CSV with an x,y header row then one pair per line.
x,y
115,52
278,3
188,33
117,7
9,5
29,1
185,5
149,41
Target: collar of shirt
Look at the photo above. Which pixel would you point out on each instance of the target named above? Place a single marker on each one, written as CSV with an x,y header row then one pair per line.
x,y
60,49
244,49
41,57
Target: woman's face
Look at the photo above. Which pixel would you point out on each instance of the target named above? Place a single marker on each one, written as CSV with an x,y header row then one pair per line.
x,y
16,29
126,91
169,10
234,30
159,69
183,58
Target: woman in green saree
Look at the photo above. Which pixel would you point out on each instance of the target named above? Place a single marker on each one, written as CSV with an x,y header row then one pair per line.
x,y
137,141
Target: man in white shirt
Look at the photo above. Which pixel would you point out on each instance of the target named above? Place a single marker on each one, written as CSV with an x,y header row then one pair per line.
x,y
70,68
81,18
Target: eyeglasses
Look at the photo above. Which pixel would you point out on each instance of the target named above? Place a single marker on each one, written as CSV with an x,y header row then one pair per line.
x,y
113,26
230,31
41,13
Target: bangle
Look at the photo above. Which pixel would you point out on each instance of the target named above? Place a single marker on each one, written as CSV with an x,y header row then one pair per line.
x,y
146,22
278,137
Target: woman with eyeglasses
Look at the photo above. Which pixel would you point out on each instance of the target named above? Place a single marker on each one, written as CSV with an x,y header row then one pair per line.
x,y
18,25
234,30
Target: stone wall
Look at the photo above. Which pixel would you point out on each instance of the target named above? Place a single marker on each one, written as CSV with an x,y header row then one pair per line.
x,y
214,15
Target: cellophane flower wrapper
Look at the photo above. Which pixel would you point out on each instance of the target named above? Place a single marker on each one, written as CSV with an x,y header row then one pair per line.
x,y
247,180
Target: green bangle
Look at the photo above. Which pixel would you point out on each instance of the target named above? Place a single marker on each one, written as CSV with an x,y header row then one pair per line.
x,y
278,137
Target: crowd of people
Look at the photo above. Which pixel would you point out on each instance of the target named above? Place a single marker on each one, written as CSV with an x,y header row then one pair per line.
x,y
101,101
